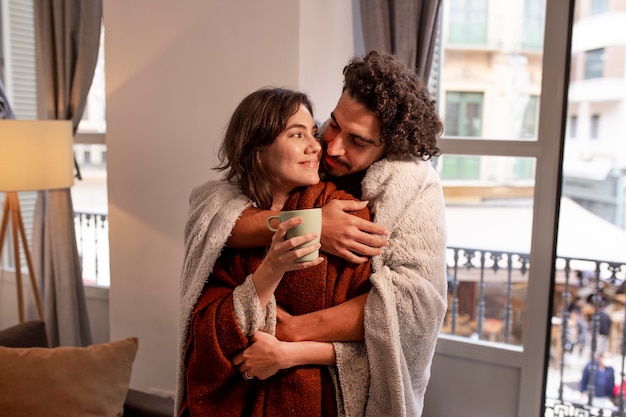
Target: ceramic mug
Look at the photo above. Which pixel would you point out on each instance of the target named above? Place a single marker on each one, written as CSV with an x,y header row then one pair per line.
x,y
311,222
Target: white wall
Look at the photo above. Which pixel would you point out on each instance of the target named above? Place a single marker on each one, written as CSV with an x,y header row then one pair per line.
x,y
174,73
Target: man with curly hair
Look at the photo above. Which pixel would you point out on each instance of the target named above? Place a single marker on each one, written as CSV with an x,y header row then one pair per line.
x,y
377,145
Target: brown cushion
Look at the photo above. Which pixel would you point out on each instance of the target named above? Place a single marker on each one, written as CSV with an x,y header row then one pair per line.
x,y
27,334
66,381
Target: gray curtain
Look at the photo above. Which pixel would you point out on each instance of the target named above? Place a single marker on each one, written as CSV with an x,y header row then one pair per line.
x,y
405,28
5,108
67,34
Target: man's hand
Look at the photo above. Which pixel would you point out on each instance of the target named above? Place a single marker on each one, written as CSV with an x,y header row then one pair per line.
x,y
348,236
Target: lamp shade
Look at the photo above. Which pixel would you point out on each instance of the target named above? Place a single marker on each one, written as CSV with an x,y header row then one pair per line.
x,y
36,155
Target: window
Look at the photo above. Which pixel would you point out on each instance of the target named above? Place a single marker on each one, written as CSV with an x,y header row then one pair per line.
x,y
460,167
18,72
463,113
523,169
89,196
532,31
490,104
463,118
468,22
531,116
599,6
573,126
595,126
17,69
594,63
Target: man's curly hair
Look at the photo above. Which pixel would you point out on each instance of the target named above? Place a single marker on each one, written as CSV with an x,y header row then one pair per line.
x,y
409,123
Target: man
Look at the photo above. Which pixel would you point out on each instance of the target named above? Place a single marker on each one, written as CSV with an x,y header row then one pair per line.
x,y
603,377
377,144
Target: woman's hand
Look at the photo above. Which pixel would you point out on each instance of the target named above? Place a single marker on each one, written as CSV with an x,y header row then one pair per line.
x,y
350,237
267,355
263,358
281,255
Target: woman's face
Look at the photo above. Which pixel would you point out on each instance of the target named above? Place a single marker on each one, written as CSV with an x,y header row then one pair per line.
x,y
294,155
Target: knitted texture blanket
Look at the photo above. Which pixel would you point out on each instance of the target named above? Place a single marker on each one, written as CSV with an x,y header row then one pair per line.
x,y
407,303
214,208
227,312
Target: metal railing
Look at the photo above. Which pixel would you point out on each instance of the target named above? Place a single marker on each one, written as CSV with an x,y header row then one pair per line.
x,y
484,289
487,300
92,239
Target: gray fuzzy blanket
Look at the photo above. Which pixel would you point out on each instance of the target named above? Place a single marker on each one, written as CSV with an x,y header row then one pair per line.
x,y
214,208
406,306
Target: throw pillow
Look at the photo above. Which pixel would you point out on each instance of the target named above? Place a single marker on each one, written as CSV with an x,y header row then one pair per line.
x,y
66,381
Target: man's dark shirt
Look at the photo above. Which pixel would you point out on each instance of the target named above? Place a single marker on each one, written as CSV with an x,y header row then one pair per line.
x,y
348,183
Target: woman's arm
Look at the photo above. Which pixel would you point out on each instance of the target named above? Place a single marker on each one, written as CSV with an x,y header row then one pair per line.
x,y
344,235
267,355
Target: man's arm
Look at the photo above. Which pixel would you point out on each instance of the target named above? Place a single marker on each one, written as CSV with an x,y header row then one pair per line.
x,y
340,323
344,235
251,230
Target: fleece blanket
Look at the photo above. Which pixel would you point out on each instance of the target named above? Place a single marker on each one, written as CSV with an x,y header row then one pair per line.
x,y
227,312
214,208
407,303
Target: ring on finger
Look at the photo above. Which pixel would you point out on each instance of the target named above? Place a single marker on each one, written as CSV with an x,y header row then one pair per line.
x,y
247,376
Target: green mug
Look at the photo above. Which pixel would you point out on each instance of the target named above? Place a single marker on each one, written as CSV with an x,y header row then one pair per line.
x,y
311,222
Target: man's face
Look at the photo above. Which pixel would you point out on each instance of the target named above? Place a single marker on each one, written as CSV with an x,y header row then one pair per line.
x,y
352,140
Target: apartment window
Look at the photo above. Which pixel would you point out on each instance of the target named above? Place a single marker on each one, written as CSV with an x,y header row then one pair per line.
x,y
594,63
573,126
468,22
460,167
595,126
599,6
463,118
532,30
523,168
531,116
463,113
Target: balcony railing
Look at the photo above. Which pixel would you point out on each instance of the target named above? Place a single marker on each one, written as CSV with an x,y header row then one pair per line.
x,y
92,239
486,294
487,301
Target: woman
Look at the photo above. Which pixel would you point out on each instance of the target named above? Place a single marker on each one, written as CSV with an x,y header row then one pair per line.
x,y
230,360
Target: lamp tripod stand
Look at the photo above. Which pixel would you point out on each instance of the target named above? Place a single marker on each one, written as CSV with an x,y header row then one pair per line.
x,y
12,209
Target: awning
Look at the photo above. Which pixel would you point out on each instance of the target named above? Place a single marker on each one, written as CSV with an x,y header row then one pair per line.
x,y
507,227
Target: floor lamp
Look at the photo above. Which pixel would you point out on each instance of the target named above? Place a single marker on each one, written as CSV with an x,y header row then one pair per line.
x,y
34,155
